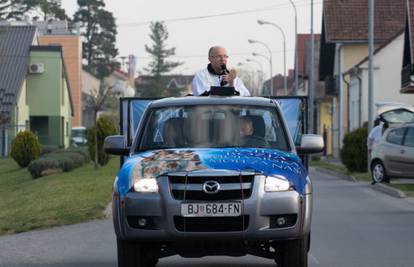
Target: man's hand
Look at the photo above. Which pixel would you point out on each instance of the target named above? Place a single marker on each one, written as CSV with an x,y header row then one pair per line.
x,y
230,77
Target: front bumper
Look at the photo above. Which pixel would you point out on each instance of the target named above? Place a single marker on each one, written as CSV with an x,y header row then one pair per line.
x,y
261,209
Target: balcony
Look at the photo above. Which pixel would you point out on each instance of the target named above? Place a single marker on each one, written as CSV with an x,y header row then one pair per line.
x,y
407,79
331,85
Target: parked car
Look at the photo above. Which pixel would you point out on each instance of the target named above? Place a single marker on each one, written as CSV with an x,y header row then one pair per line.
x,y
393,156
79,136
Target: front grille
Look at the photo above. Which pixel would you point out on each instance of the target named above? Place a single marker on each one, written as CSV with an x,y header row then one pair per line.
x,y
211,224
232,187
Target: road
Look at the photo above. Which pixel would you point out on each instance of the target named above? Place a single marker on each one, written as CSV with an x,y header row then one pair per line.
x,y
353,226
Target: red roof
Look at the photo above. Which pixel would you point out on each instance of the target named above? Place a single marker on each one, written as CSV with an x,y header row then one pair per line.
x,y
347,20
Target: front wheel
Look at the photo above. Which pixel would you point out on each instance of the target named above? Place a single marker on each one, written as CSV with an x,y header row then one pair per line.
x,y
293,253
135,254
378,173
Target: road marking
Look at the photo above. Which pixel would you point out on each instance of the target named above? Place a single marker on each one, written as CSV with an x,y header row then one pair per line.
x,y
314,259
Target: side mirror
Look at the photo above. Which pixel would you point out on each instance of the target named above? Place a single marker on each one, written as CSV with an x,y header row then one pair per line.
x,y
116,145
310,143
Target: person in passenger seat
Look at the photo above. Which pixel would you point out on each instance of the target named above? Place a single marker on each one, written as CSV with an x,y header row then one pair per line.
x,y
172,134
248,139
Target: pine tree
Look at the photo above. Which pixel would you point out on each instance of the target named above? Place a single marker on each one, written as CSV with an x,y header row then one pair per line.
x,y
159,65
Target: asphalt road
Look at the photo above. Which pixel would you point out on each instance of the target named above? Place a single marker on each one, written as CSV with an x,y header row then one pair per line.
x,y
353,226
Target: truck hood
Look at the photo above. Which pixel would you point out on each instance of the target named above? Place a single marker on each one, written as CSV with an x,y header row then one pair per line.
x,y
268,162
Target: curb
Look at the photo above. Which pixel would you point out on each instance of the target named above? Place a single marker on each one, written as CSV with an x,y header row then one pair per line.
x,y
338,174
108,211
391,191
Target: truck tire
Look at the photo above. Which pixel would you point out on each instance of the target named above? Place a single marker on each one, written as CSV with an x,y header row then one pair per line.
x,y
134,254
293,253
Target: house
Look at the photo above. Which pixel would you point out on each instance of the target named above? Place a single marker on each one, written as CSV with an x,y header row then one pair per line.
x,y
90,86
176,84
344,43
279,84
388,59
49,96
59,33
119,82
33,88
407,72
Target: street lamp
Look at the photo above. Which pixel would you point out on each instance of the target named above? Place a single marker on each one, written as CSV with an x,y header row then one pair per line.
x,y
297,48
262,22
270,60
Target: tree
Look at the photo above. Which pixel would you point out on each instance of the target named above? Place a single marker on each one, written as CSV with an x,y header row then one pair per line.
x,y
99,31
97,101
15,9
159,65
51,10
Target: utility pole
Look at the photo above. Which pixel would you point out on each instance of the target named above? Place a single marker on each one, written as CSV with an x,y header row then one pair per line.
x,y
312,76
370,64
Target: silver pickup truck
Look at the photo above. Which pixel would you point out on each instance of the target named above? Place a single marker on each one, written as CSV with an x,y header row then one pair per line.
x,y
212,176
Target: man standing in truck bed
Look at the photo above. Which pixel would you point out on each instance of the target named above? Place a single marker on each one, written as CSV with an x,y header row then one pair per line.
x,y
216,74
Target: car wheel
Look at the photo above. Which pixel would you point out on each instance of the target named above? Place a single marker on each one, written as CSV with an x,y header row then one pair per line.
x,y
134,254
293,253
378,173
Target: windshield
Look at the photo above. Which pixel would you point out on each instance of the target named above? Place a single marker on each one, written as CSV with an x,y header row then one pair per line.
x,y
398,116
79,133
214,126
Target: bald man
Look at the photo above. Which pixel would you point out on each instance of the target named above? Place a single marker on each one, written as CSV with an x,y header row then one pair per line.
x,y
216,74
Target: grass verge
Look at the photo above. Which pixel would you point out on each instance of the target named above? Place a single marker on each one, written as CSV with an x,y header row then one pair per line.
x,y
408,189
58,199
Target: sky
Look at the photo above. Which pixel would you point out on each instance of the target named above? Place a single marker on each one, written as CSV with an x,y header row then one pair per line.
x,y
194,26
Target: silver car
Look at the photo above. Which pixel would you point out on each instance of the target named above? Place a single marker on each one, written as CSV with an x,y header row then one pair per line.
x,y
394,154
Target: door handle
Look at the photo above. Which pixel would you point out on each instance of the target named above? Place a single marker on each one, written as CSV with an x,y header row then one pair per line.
x,y
402,151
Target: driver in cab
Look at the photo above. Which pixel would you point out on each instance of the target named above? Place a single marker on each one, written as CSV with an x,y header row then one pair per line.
x,y
248,139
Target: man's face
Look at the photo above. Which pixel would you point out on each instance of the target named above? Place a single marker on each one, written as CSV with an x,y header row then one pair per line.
x,y
246,127
218,57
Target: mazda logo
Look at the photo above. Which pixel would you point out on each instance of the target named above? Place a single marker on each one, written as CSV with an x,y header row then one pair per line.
x,y
211,187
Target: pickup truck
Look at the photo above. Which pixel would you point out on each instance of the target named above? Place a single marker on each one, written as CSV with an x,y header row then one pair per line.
x,y
192,184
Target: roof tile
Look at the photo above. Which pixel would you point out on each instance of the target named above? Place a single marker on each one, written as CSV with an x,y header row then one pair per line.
x,y
347,20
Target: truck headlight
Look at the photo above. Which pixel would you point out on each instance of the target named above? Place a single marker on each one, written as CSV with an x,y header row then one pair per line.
x,y
276,184
146,185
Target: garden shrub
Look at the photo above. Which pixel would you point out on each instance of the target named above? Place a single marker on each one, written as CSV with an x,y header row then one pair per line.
x,y
77,158
46,149
25,148
38,166
105,127
354,151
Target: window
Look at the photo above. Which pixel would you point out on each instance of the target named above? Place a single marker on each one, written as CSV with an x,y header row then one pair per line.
x,y
213,126
395,136
409,137
398,116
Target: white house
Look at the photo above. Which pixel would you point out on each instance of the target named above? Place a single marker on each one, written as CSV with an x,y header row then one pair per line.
x,y
387,81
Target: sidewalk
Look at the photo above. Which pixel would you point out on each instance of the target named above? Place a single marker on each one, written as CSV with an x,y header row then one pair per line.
x,y
342,173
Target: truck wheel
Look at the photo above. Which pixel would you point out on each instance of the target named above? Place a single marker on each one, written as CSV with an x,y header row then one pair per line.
x,y
134,254
293,253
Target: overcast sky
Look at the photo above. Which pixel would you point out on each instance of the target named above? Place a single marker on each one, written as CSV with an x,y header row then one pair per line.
x,y
231,24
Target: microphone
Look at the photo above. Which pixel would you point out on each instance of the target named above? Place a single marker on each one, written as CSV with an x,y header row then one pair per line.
x,y
225,71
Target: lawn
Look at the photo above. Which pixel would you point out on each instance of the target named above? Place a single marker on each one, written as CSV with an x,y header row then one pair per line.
x,y
57,199
408,189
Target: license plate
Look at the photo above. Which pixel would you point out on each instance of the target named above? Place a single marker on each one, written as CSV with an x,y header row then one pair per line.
x,y
216,209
